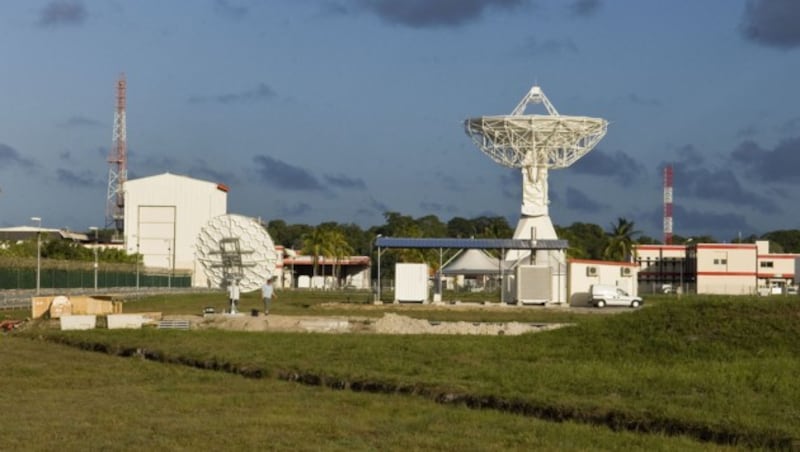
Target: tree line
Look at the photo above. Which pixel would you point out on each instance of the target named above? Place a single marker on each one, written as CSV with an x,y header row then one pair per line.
x,y
334,240
64,250
586,240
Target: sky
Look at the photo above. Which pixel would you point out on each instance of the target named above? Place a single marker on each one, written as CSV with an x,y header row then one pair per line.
x,y
341,110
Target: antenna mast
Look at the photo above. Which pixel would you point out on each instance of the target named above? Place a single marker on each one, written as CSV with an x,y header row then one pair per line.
x,y
668,205
118,164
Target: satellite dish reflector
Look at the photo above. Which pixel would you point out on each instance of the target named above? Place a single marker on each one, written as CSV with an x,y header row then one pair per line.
x,y
535,144
235,249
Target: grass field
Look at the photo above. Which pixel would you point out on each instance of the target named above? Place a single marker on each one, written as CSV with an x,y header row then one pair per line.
x,y
717,369
60,398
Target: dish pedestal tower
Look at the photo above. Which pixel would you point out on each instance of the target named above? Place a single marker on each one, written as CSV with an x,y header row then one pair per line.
x,y
536,144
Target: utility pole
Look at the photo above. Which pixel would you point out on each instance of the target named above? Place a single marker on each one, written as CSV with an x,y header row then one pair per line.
x,y
94,228
38,221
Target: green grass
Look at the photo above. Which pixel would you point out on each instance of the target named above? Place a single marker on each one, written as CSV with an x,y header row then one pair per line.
x,y
60,398
701,365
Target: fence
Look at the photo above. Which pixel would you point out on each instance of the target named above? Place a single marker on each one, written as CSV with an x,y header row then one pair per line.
x,y
22,278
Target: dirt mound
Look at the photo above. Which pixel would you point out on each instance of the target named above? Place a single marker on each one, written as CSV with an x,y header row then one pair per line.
x,y
400,324
390,323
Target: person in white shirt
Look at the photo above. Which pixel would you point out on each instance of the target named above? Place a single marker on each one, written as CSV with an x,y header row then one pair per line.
x,y
233,295
267,293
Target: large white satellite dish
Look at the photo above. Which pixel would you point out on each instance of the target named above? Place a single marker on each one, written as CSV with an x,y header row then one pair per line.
x,y
535,144
235,248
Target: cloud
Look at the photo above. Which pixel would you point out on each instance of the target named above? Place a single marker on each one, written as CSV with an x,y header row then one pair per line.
x,y
438,207
82,179
293,210
450,182
62,12
80,121
577,200
646,102
10,157
433,13
721,226
378,206
717,185
770,166
619,165
747,131
688,222
790,126
549,46
584,8
511,184
373,207
158,163
689,155
281,175
347,183
225,8
772,23
202,170
261,92
331,8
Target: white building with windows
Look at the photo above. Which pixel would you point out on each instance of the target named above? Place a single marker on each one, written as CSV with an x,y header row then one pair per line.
x,y
724,268
716,268
584,273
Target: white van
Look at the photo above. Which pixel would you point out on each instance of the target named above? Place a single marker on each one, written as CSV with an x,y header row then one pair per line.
x,y
605,295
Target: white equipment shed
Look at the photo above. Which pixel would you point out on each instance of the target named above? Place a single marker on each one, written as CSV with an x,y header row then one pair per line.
x,y
164,215
502,245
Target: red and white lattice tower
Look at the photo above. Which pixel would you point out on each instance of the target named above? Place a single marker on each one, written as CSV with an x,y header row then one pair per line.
x,y
668,205
118,164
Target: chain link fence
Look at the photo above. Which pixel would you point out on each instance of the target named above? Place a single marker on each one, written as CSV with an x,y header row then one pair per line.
x,y
21,299
18,280
22,278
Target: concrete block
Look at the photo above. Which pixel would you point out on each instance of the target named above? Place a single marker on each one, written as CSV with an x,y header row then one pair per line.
x,y
78,322
125,321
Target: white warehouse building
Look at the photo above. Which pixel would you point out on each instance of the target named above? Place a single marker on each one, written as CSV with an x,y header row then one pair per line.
x,y
164,215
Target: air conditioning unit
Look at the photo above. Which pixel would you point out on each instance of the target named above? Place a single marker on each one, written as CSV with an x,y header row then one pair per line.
x,y
626,271
591,271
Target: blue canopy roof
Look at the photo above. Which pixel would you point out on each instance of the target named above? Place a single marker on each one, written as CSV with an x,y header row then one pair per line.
x,y
507,244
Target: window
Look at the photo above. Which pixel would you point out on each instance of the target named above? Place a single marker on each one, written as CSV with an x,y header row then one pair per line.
x,y
767,264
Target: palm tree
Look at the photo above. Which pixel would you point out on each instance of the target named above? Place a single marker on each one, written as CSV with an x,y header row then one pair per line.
x,y
339,248
620,241
314,244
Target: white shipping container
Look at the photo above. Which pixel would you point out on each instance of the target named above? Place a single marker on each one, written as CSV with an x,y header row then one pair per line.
x,y
411,283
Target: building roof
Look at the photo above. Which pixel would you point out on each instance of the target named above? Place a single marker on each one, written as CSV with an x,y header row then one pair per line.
x,y
507,244
472,262
26,232
309,260
176,177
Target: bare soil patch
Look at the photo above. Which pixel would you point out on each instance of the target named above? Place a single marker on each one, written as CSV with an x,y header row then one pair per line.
x,y
390,323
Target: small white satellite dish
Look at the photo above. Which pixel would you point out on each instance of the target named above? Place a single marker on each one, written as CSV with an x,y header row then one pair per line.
x,y
236,249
